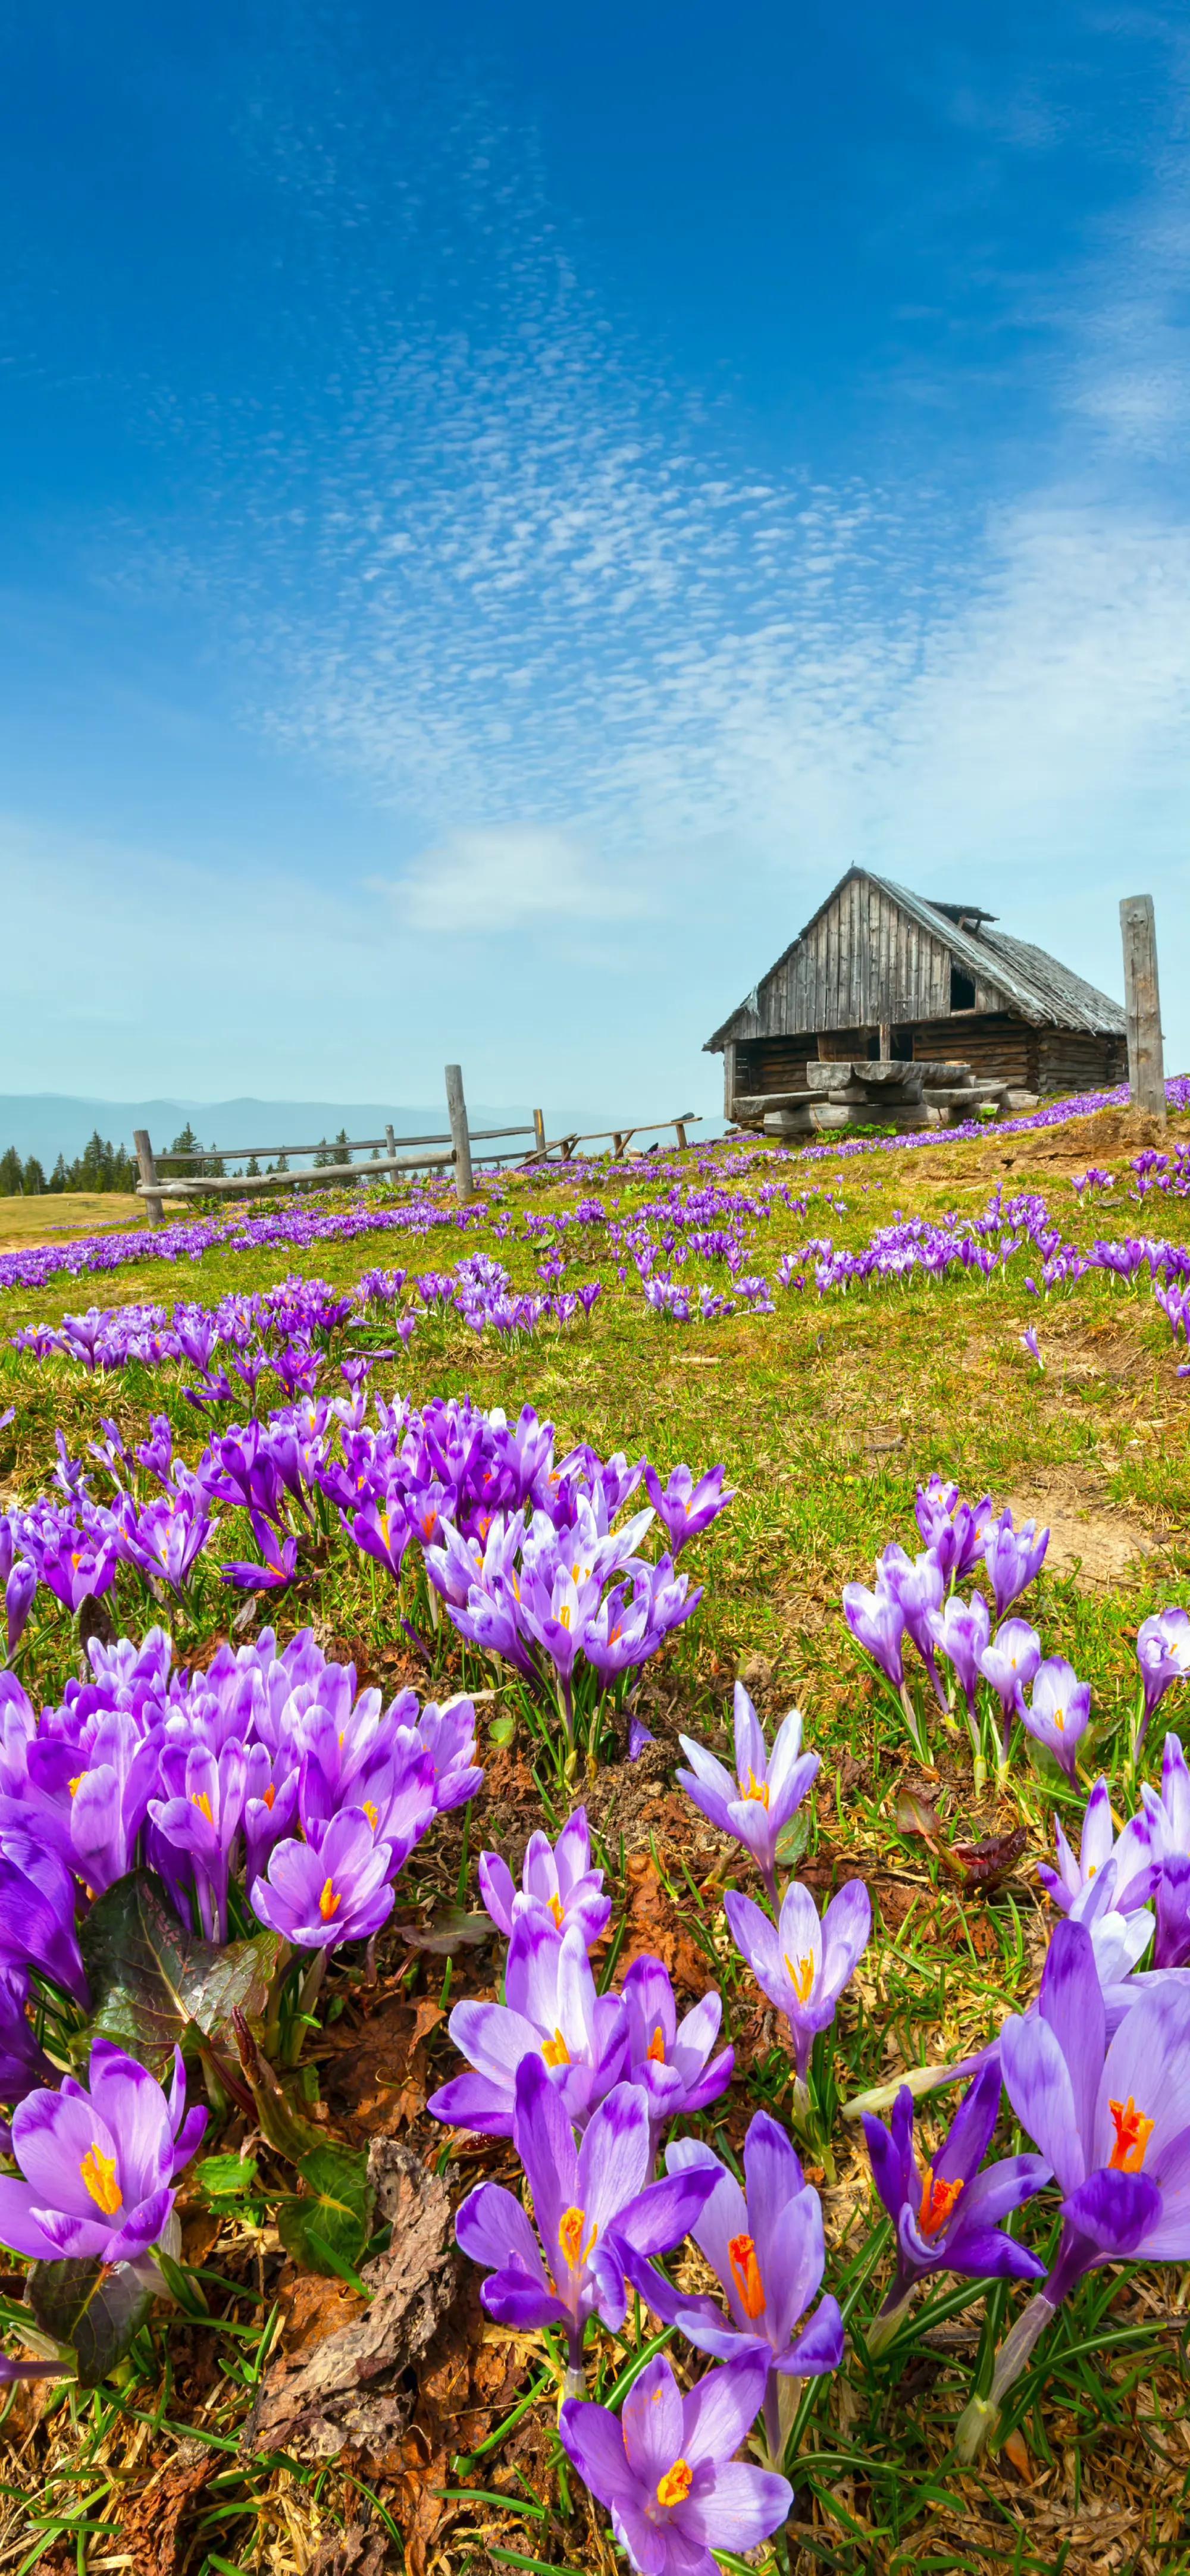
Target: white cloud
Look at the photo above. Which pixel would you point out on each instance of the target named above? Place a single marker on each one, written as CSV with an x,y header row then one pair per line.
x,y
511,589
481,882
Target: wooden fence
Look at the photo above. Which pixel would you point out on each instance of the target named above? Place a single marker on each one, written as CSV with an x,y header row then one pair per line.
x,y
389,1154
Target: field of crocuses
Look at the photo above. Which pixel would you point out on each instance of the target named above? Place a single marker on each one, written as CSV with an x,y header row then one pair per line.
x,y
595,1870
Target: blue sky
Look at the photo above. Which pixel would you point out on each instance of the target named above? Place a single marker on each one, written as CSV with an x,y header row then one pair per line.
x,y
500,507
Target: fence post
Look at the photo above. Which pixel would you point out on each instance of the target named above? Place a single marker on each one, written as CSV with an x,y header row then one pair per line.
x,y
154,1211
1142,1005
680,1124
392,1147
539,1130
460,1134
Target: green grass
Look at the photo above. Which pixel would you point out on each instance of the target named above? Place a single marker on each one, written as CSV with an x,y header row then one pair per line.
x,y
826,1415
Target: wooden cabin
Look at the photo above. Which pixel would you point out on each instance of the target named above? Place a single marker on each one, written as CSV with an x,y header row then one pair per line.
x,y
881,973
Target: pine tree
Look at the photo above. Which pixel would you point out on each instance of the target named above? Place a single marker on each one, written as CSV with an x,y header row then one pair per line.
x,y
342,1154
59,1178
252,1172
33,1181
323,1155
11,1174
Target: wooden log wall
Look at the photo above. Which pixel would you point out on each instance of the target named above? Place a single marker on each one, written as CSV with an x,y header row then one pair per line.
x,y
1074,1060
994,1043
863,963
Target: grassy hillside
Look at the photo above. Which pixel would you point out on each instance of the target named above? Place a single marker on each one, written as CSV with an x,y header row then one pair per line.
x,y
827,1413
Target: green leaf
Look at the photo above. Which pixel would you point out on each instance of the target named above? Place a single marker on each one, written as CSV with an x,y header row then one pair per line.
x,y
95,2308
793,1841
502,1730
222,2178
156,1985
333,2215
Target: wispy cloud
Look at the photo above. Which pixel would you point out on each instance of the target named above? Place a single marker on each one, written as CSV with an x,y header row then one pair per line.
x,y
501,575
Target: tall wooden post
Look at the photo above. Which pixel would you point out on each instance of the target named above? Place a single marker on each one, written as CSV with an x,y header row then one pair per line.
x,y
729,1080
539,1131
391,1142
885,1042
460,1133
154,1211
1142,1005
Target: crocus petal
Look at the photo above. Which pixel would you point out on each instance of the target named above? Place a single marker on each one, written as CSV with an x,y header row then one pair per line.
x,y
492,2228
514,2300
820,2348
19,2229
615,2156
545,2145
498,1890
760,1944
742,2507
772,2173
1071,2003
971,2129
651,2422
721,2408
1115,2210
1038,2085
985,2254
592,2437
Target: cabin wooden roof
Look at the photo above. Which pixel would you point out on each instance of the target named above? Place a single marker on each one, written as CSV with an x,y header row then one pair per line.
x,y
1008,974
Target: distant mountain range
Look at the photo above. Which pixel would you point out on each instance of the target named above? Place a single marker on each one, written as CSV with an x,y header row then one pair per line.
x,y
49,1123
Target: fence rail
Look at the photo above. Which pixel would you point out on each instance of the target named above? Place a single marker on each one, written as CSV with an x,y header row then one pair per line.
x,y
452,1148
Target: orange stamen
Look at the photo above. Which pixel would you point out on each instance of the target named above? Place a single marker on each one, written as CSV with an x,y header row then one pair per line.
x,y
556,1910
201,1800
99,2174
570,2235
801,1978
555,2050
656,2047
745,2272
675,2486
937,2201
1133,2133
329,1901
757,1789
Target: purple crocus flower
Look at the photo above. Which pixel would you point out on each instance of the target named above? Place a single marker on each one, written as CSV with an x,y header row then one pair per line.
x,y
665,2468
960,1631
946,2213
767,1790
1072,1884
447,1733
98,2163
552,2013
1168,1820
877,1623
590,2202
1058,1713
1013,1557
279,1565
1163,1653
1113,2122
684,1507
952,1530
919,1585
668,2058
37,1929
19,1594
336,1889
1029,1342
765,2246
800,1963
201,1815
1009,1664
557,1877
